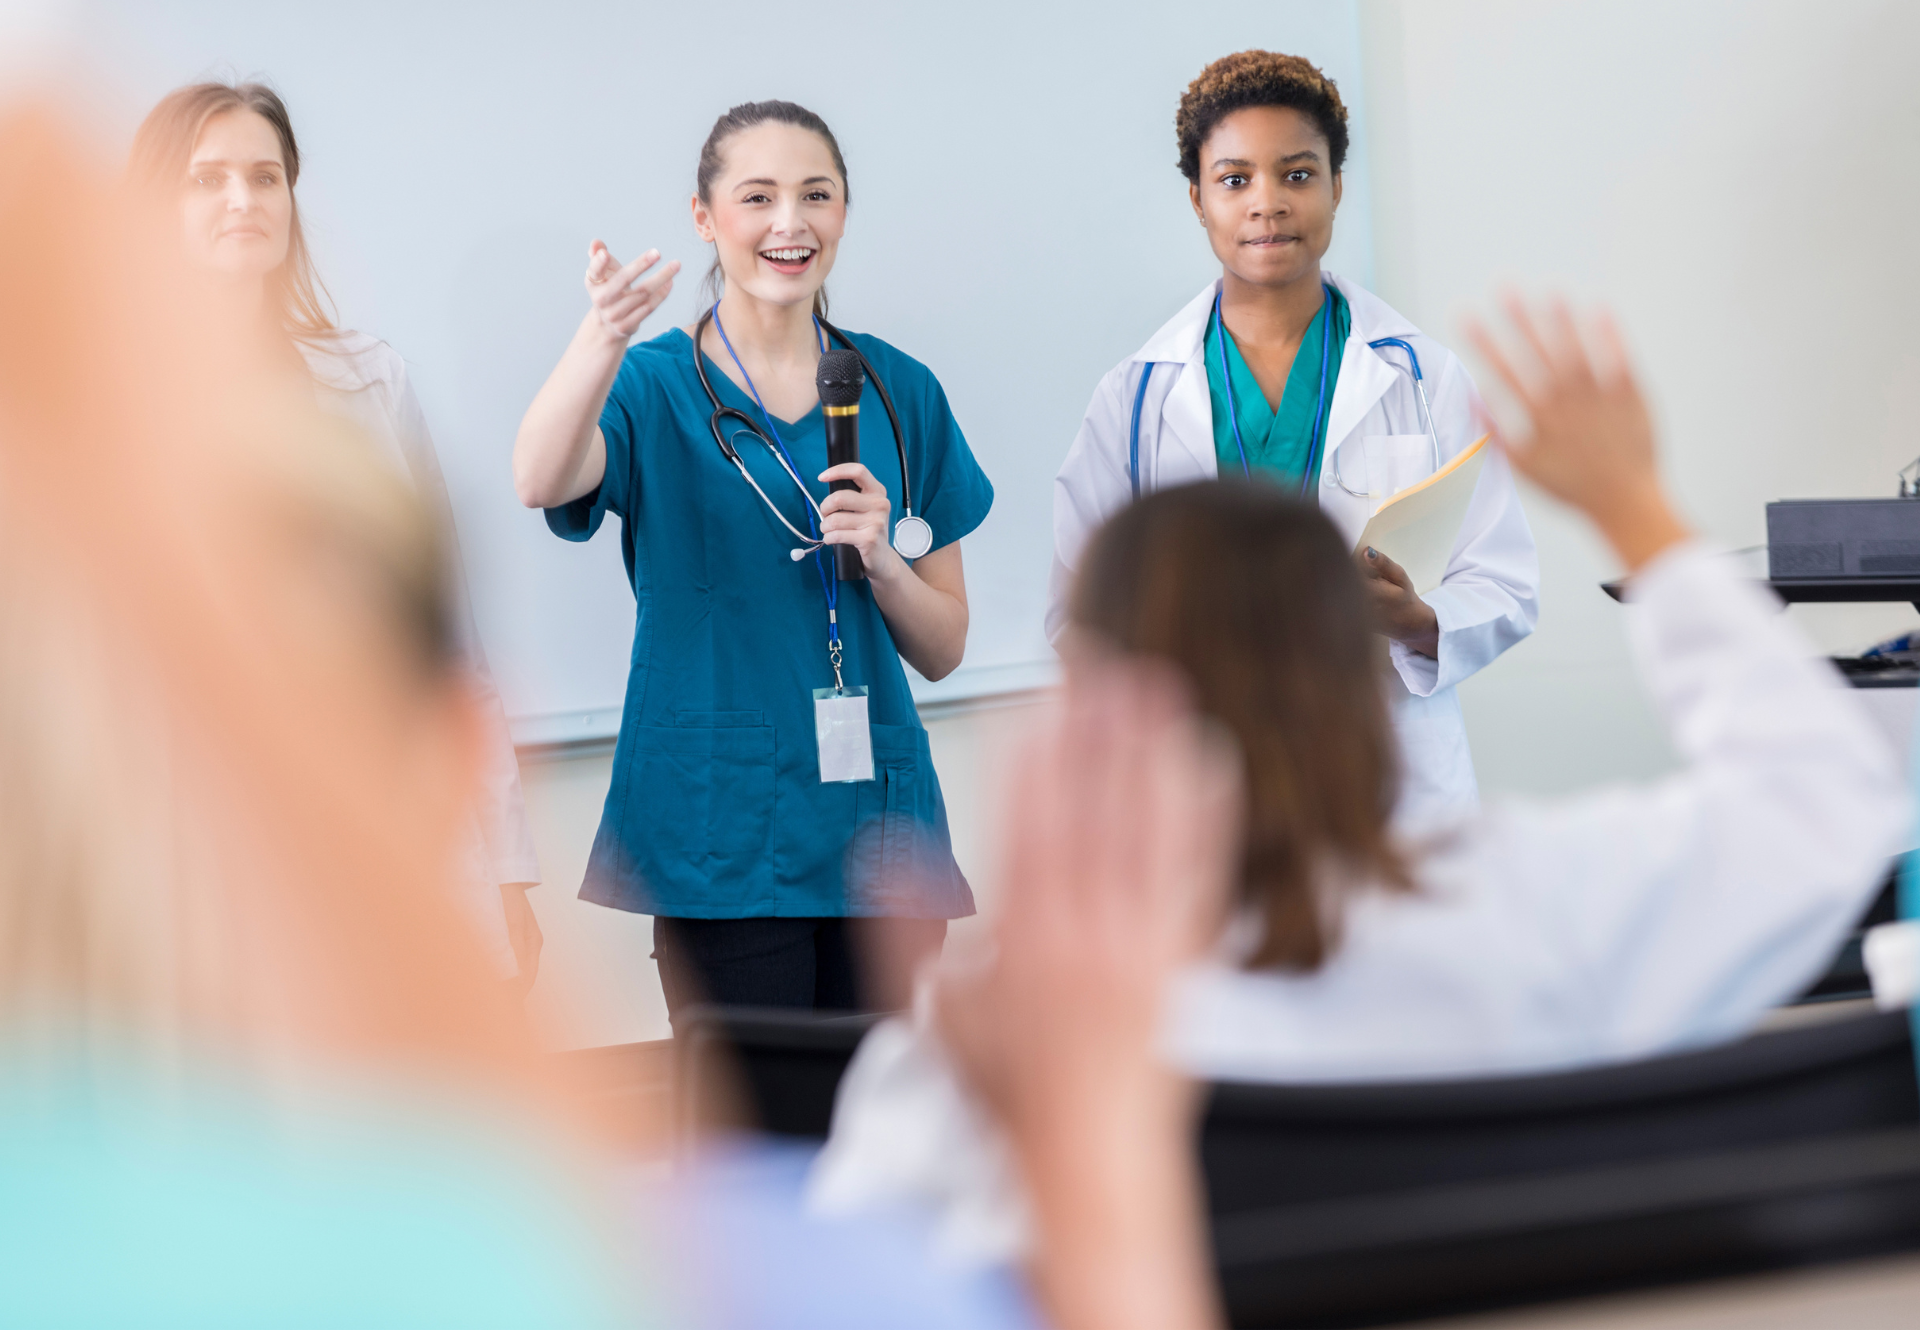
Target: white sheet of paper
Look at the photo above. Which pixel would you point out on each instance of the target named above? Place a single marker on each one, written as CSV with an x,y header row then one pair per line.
x,y
840,725
1418,527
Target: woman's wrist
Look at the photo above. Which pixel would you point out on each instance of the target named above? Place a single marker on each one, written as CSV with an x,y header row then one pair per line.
x,y
1640,525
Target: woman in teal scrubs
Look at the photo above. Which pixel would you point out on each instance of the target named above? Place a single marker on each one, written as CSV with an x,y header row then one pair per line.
x,y
718,821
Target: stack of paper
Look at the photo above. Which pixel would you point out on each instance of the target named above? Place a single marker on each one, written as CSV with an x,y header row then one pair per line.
x,y
1418,527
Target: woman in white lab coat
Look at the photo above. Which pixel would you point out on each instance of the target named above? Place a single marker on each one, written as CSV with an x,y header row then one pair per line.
x,y
225,155
1280,370
1619,923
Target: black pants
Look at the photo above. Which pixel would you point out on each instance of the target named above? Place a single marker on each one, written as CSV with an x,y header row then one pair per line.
x,y
826,964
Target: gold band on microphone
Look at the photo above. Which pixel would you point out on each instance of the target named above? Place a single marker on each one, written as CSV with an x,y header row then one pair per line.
x,y
841,410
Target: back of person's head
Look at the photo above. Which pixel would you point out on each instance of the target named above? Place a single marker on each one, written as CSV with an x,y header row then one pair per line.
x,y
1254,597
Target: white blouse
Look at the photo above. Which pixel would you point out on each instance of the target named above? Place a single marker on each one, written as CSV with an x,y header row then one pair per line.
x,y
1622,922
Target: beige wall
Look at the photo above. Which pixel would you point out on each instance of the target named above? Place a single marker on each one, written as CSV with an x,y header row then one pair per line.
x,y
1737,179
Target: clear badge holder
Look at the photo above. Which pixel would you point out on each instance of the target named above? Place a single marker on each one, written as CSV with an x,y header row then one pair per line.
x,y
840,726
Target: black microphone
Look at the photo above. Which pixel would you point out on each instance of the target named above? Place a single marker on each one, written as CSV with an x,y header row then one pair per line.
x,y
840,378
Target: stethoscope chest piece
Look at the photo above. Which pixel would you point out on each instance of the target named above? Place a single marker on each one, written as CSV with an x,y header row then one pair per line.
x,y
912,537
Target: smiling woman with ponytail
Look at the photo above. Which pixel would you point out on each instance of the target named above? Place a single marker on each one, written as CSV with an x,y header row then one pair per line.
x,y
723,821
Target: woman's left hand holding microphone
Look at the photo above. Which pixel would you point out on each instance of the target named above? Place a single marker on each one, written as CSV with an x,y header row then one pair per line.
x,y
862,518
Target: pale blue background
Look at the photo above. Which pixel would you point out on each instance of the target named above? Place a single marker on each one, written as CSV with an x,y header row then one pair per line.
x,y
1018,224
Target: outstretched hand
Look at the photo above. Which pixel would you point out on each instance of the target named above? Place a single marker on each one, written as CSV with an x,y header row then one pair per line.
x,y
1589,436
621,301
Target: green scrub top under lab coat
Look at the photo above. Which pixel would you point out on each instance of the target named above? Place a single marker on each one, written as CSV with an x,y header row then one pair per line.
x,y
716,809
1278,443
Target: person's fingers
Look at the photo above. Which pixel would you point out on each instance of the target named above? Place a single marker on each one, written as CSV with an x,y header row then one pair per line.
x,y
660,280
624,277
1520,315
1388,570
1496,358
1570,364
1214,820
1101,825
621,290
1491,427
1140,711
1035,814
1612,366
870,486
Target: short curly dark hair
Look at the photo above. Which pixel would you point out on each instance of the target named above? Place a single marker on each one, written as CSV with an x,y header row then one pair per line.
x,y
1257,78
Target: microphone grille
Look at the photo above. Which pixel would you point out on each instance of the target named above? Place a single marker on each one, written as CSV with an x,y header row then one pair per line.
x,y
839,378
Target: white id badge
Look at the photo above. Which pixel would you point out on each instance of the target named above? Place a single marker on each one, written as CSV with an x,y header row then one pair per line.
x,y
840,724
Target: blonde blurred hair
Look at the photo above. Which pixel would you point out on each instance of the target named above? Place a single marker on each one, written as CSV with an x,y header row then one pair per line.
x,y
211,598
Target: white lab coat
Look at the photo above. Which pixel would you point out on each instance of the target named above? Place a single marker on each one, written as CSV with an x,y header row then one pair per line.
x,y
1376,440
1614,924
364,381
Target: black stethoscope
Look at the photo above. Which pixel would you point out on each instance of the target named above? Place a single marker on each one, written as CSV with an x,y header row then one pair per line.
x,y
912,537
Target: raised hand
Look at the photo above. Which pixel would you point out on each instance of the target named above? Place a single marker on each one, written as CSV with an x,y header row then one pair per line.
x,y
1588,437
621,301
1123,829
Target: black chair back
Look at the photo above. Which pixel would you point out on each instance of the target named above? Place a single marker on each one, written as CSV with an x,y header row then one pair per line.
x,y
1364,1204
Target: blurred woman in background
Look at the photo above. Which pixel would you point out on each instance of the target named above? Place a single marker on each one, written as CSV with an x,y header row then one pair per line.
x,y
227,155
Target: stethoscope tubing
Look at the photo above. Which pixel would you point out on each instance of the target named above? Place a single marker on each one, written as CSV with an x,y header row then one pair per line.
x,y
1314,439
1419,386
733,455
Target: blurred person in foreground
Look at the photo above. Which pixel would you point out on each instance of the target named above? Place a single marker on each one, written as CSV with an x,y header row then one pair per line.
x,y
249,1072
221,162
1534,935
253,1070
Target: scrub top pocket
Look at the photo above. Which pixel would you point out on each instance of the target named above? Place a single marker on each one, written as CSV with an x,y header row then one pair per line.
x,y
900,861
1393,462
699,812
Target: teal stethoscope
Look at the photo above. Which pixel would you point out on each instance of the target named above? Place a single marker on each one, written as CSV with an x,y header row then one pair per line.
x,y
1319,438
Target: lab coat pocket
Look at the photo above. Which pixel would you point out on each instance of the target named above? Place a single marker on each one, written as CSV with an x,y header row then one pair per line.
x,y
1394,462
699,809
900,860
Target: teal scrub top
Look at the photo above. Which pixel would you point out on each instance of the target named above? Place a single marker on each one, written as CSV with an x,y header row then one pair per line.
x,y
1279,443
716,809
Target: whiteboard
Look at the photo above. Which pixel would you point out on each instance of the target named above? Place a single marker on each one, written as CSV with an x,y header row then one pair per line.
x,y
1017,223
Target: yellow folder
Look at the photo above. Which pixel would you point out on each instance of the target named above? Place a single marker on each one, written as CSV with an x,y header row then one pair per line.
x,y
1418,527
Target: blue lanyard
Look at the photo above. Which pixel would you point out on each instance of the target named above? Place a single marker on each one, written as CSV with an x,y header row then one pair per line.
x,y
829,584
1316,438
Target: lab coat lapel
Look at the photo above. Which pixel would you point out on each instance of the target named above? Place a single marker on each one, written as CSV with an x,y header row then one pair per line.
x,y
1187,413
1364,379
1188,417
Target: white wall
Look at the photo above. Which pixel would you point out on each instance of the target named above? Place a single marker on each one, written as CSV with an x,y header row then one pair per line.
x,y
1740,181
1017,223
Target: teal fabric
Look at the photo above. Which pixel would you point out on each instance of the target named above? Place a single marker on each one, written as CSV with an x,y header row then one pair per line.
x,y
1278,443
716,809
127,1203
